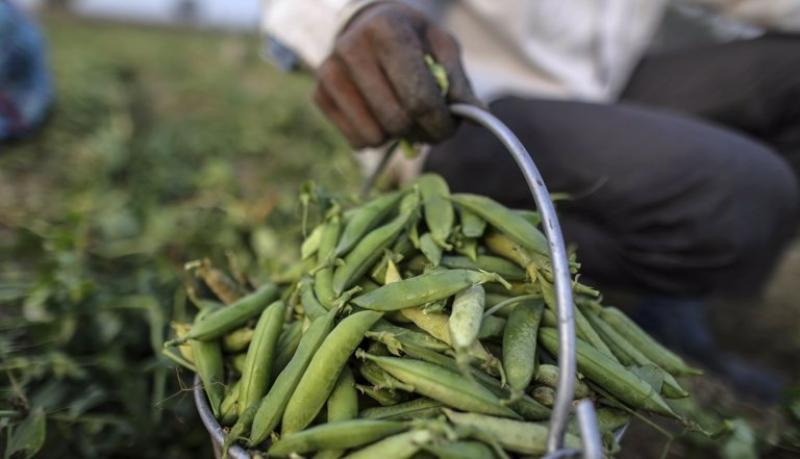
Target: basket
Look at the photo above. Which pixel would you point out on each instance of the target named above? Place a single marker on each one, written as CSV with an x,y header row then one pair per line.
x,y
591,444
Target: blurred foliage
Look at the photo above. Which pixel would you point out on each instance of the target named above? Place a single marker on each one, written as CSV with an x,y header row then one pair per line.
x,y
164,146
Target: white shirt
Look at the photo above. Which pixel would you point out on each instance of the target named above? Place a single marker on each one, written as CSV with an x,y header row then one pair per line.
x,y
564,49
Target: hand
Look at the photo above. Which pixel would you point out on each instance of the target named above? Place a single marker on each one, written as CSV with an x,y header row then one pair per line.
x,y
375,85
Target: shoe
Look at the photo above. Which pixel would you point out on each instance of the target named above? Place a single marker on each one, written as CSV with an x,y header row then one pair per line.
x,y
682,326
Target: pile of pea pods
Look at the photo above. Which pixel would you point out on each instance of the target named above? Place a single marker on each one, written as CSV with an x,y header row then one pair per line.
x,y
422,324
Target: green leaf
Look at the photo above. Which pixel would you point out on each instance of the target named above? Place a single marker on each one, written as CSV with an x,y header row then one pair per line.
x,y
28,437
742,442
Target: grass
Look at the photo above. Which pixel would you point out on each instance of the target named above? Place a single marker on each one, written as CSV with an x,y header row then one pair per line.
x,y
164,146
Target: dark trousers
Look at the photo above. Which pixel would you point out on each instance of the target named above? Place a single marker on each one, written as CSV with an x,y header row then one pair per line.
x,y
684,188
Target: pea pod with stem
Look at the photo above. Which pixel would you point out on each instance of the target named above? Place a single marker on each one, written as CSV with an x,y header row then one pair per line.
x,y
335,435
323,278
610,375
401,446
441,384
207,359
431,249
508,270
629,355
437,208
311,305
287,346
423,289
415,409
519,345
257,372
525,406
518,436
323,371
364,219
471,224
272,406
662,356
223,320
342,405
505,220
369,249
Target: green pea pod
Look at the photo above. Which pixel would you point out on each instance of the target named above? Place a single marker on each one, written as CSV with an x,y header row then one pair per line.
x,y
608,420
229,409
443,385
508,270
629,355
365,218
223,320
311,305
287,346
548,375
342,406
491,327
460,450
323,279
237,340
437,208
261,355
583,329
400,446
384,397
371,247
525,406
519,344
272,406
465,317
380,379
323,371
422,289
471,224
239,429
405,335
415,409
660,355
310,244
431,249
238,361
505,220
335,435
544,395
207,358
610,375
517,436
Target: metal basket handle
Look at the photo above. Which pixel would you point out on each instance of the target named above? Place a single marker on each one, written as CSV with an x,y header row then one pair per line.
x,y
592,447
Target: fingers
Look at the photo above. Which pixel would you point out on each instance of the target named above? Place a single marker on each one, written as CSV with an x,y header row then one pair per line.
x,y
335,80
365,71
446,51
401,55
328,106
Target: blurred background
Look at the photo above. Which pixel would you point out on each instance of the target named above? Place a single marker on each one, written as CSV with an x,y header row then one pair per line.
x,y
171,139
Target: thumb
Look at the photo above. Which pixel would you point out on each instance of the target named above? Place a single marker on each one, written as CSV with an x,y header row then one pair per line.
x,y
446,50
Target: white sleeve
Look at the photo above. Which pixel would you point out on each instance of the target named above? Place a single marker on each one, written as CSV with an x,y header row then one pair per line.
x,y
779,15
308,27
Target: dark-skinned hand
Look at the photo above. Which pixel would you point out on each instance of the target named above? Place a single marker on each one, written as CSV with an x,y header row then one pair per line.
x,y
375,85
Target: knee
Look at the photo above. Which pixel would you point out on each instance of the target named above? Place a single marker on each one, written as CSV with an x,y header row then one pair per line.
x,y
722,230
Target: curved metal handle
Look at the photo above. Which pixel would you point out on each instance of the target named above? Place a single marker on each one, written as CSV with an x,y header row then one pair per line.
x,y
211,424
563,282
